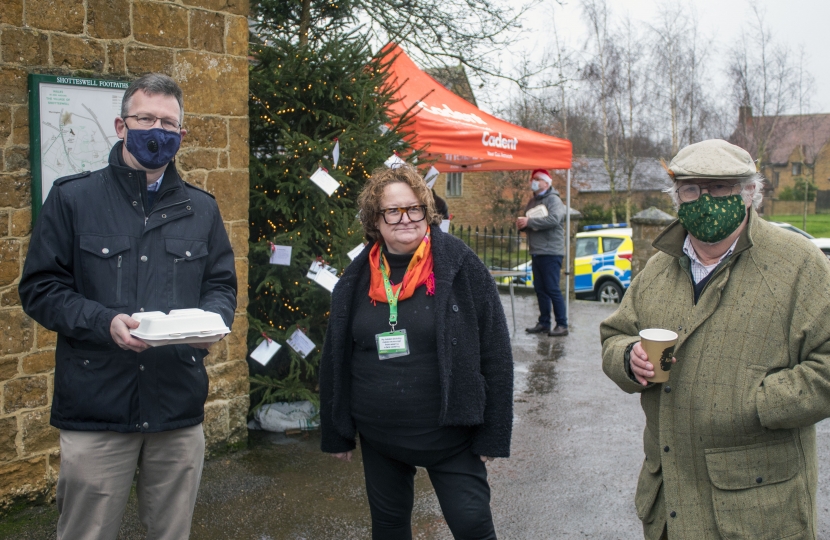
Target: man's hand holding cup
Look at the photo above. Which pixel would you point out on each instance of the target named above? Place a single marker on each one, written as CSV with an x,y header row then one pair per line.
x,y
657,345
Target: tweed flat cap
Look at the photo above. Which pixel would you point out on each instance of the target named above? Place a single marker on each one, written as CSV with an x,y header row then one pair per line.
x,y
714,158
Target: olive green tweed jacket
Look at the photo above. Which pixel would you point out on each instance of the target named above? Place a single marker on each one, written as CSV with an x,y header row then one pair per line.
x,y
730,445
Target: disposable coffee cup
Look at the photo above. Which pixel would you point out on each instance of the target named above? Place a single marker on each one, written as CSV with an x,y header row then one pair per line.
x,y
659,346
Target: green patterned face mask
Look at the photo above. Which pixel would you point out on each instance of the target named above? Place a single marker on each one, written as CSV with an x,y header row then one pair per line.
x,y
711,219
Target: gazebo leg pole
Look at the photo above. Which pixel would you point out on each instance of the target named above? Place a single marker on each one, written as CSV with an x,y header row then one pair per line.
x,y
568,253
513,306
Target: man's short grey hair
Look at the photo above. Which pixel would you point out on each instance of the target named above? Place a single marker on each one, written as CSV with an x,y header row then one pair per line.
x,y
153,84
756,197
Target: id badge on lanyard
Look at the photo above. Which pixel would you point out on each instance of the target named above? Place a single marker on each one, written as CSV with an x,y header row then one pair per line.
x,y
394,343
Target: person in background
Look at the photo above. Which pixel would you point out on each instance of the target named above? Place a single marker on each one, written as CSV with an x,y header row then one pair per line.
x,y
417,361
730,439
441,207
546,245
130,237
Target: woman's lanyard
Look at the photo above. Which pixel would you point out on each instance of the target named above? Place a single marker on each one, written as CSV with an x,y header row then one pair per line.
x,y
391,297
393,343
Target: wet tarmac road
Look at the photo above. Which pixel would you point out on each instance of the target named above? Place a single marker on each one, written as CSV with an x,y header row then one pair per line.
x,y
575,458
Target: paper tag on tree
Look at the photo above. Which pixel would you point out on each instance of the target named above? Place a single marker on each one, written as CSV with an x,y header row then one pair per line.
x,y
315,267
300,343
431,177
280,255
327,280
335,153
325,182
356,251
265,351
394,161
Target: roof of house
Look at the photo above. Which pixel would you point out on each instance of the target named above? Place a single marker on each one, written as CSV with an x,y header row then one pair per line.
x,y
788,133
454,79
589,175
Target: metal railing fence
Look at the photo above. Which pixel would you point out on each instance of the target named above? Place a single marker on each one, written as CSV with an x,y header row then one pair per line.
x,y
499,248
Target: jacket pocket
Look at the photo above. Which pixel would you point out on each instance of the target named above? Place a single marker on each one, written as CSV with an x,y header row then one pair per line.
x,y
649,482
757,491
95,386
182,383
104,261
187,263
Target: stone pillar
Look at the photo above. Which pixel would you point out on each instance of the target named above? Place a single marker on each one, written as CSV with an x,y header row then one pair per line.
x,y
645,227
203,44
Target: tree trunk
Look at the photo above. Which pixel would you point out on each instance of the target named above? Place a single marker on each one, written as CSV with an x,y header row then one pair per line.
x,y
305,22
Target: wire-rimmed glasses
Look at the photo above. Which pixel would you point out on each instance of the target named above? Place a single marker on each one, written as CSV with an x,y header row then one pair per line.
x,y
148,121
691,192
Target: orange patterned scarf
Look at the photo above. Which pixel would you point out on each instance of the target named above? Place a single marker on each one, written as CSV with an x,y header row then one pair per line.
x,y
419,272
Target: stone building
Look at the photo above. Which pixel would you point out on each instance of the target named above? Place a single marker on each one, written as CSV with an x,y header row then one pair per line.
x,y
201,43
794,146
592,184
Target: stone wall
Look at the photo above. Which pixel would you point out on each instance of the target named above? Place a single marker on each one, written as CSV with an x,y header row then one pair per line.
x,y
646,226
774,207
474,207
203,45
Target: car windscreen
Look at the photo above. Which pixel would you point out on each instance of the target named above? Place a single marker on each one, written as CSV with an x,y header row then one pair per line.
x,y
587,246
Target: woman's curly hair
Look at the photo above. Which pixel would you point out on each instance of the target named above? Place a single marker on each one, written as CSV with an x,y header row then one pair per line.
x,y
368,202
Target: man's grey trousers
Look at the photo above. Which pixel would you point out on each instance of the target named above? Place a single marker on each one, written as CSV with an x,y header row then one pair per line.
x,y
97,471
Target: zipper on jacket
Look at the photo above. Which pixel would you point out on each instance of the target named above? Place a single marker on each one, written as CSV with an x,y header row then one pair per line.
x,y
176,263
118,282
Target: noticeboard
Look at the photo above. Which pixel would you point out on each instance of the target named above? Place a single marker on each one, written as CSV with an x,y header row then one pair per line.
x,y
72,128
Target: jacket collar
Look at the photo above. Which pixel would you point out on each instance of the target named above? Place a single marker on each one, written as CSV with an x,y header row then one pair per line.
x,y
447,261
671,240
133,182
550,191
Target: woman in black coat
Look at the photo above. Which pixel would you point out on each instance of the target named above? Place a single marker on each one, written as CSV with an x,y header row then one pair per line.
x,y
417,360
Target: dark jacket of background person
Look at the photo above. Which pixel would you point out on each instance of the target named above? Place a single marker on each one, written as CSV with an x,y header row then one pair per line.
x,y
546,235
474,354
92,257
441,206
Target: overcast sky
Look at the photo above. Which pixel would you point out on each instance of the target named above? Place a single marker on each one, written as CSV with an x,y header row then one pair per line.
x,y
795,22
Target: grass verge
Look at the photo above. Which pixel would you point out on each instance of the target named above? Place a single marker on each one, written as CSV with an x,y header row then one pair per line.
x,y
817,224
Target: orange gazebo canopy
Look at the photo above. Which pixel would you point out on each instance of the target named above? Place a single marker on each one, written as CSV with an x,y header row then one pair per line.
x,y
462,137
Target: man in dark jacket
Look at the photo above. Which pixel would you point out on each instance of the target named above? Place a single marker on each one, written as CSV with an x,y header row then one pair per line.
x,y
128,238
546,244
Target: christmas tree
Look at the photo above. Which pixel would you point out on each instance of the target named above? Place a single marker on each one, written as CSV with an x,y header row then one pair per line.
x,y
312,84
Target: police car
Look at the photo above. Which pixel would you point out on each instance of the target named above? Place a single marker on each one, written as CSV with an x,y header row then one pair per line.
x,y
602,268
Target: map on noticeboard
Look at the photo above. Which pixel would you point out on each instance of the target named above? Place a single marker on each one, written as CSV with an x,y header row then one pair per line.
x,y
72,128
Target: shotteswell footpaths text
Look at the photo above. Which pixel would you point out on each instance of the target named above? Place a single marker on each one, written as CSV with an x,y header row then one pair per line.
x,y
91,82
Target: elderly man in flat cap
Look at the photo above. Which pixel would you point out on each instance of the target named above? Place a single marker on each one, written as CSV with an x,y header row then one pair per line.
x,y
730,439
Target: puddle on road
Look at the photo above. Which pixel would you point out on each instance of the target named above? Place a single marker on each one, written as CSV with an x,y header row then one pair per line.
x,y
541,374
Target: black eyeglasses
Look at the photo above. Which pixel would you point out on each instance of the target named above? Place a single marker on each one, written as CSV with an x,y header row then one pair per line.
x,y
691,192
393,216
148,121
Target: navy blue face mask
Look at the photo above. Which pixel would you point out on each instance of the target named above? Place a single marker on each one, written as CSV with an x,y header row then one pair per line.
x,y
153,148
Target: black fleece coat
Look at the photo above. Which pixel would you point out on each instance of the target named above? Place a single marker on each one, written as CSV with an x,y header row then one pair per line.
x,y
475,360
